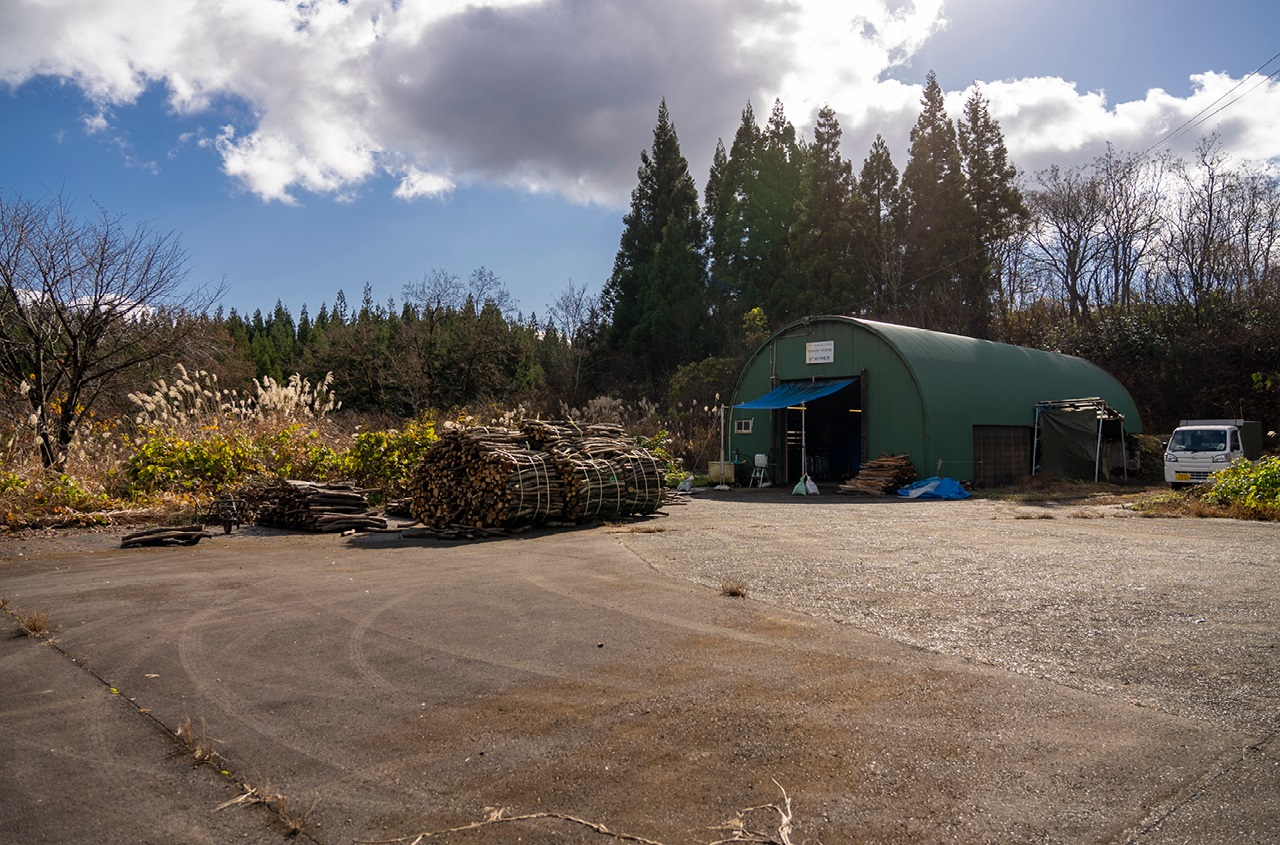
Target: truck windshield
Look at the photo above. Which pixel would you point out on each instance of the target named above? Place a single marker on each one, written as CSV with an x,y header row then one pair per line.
x,y
1198,440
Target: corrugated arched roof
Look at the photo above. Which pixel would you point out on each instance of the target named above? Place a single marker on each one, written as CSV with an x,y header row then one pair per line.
x,y
973,377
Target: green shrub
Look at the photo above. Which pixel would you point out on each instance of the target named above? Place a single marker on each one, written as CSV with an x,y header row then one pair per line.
x,y
659,445
11,481
297,451
163,462
223,457
385,459
64,493
46,496
1252,485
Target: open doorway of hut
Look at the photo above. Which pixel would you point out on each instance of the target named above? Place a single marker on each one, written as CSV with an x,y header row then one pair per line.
x,y
828,430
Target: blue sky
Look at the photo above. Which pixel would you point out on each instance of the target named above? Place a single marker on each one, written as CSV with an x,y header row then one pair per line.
x,y
300,148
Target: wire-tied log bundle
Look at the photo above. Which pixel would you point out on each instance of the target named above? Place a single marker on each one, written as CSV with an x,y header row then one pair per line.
x,y
544,472
317,507
485,477
639,473
592,489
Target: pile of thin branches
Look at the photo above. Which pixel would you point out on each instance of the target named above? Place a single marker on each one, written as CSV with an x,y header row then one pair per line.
x,y
882,476
593,449
639,474
308,506
185,536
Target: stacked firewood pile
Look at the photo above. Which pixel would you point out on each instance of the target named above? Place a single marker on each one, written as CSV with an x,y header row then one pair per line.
x,y
308,506
543,473
881,476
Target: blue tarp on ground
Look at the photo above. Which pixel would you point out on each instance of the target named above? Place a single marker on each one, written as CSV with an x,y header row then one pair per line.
x,y
935,488
794,393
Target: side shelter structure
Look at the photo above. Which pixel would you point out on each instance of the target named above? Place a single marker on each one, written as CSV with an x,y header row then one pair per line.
x,y
1079,438
824,394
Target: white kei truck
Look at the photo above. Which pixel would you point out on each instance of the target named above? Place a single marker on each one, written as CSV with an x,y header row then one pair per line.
x,y
1199,448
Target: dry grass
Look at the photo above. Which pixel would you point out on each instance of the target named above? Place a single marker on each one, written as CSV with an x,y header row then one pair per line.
x,y
1182,504
737,827
34,623
1050,488
617,528
295,821
733,589
202,747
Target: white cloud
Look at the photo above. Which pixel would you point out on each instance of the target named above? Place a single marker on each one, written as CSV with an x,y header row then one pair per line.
x,y
415,183
96,123
546,95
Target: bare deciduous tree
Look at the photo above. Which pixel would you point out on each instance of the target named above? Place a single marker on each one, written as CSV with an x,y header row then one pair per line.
x,y
1131,188
575,315
84,304
1066,240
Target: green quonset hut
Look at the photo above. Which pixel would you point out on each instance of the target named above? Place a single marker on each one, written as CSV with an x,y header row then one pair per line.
x,y
854,389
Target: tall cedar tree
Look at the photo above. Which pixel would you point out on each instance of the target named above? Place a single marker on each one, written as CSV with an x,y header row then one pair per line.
x,y
879,215
936,222
772,191
673,327
664,204
820,258
717,198
726,198
998,209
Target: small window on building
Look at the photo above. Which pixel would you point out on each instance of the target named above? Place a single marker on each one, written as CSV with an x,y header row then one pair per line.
x,y
742,426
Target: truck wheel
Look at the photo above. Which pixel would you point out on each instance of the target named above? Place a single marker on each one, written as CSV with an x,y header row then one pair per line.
x,y
1178,485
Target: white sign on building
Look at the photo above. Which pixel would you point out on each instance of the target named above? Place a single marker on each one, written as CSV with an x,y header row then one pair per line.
x,y
822,352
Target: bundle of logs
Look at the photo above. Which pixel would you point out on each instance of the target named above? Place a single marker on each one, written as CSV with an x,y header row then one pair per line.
x,y
542,473
307,506
882,476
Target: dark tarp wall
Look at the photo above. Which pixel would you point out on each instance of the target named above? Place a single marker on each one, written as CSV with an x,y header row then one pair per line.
x,y
1068,444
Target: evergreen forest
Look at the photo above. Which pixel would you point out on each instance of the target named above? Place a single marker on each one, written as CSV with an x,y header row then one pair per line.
x,y
1163,270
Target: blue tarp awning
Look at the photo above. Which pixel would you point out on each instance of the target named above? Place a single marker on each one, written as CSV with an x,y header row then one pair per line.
x,y
796,392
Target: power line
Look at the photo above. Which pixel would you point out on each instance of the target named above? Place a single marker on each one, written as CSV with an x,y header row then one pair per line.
x,y
1193,121
1260,82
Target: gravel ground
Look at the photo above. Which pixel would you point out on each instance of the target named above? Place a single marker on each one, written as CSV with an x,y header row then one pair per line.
x,y
1180,615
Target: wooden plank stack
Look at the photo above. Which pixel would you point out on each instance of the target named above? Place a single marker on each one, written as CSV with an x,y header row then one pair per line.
x,y
542,473
882,476
308,506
